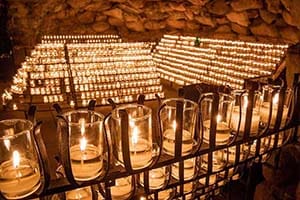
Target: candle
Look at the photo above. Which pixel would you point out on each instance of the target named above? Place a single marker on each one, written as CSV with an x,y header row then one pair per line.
x,y
157,178
235,117
222,131
164,195
265,112
189,169
86,161
140,150
218,161
19,177
122,189
79,194
169,140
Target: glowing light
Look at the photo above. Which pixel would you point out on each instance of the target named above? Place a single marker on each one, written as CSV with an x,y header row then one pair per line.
x,y
16,159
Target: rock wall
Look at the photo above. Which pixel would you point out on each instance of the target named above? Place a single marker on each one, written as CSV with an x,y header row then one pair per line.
x,y
150,19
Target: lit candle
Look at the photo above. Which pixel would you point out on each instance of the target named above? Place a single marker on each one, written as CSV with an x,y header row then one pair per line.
x,y
122,189
140,150
19,177
84,193
169,140
222,131
188,170
235,117
265,111
157,178
86,159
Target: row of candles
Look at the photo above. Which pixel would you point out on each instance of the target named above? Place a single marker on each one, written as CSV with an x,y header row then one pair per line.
x,y
57,39
102,66
235,44
215,61
88,146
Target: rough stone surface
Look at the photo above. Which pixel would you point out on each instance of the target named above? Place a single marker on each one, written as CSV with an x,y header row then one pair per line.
x,y
274,6
206,20
240,18
290,34
239,29
241,5
267,16
263,20
220,7
264,29
86,17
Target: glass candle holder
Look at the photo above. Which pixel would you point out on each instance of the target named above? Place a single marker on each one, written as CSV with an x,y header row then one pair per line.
x,y
122,189
169,125
20,174
222,118
84,193
189,169
219,161
86,144
132,135
157,178
164,194
238,113
270,98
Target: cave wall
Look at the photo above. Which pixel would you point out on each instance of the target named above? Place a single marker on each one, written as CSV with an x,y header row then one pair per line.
x,y
149,19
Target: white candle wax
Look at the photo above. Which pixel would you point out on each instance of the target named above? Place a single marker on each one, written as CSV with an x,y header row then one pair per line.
x,y
157,178
86,164
188,170
79,194
140,153
122,189
235,116
265,111
19,181
169,142
222,132
218,161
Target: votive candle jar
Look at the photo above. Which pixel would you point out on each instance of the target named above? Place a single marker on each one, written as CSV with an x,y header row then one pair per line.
x,y
222,118
169,125
86,144
139,138
20,174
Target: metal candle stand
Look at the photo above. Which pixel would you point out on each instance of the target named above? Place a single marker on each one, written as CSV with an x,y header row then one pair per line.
x,y
204,182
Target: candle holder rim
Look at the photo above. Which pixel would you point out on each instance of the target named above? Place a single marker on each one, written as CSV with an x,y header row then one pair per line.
x,y
134,105
178,99
244,92
68,113
14,121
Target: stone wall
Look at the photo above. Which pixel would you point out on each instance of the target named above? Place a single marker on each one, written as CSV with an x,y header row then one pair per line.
x,y
150,19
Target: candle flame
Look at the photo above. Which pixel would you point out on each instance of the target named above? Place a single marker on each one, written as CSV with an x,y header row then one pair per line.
x,y
219,118
83,143
16,159
82,126
7,144
134,138
174,125
276,98
245,104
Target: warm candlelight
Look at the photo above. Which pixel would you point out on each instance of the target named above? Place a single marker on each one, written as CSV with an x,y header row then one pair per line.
x,y
140,150
235,117
84,193
189,169
122,189
19,177
157,178
86,161
222,131
265,112
169,140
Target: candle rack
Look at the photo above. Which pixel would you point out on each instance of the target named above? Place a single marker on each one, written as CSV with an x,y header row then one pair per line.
x,y
207,179
187,60
72,70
